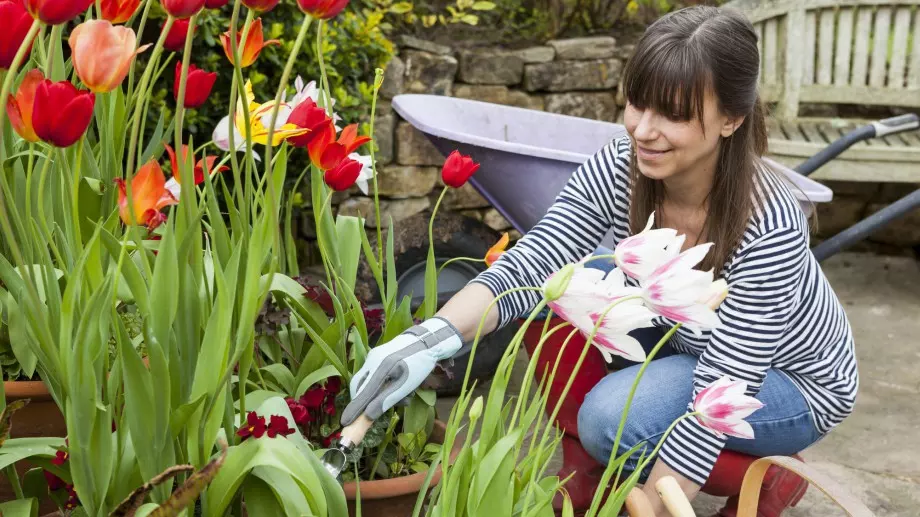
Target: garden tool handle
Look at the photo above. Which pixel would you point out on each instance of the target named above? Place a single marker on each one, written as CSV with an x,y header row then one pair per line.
x,y
673,497
353,433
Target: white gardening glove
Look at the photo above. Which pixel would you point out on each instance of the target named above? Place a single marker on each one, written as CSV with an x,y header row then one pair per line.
x,y
394,370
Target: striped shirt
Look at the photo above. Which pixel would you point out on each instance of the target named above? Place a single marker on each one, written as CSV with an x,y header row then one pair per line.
x,y
780,311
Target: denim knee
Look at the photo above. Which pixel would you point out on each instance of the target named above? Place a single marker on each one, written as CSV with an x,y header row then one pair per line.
x,y
598,421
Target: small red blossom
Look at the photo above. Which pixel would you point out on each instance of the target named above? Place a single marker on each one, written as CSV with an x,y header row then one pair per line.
x,y
255,426
329,440
73,500
60,458
54,483
278,426
313,397
298,411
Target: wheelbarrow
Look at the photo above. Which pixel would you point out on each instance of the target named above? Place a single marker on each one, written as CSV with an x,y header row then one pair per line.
x,y
527,156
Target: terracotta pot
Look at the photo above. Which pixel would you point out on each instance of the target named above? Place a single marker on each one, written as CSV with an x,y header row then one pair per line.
x,y
396,497
41,417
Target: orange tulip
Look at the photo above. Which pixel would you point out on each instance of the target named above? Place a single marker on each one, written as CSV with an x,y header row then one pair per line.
x,y
327,153
119,11
250,50
204,165
102,53
497,250
19,108
149,196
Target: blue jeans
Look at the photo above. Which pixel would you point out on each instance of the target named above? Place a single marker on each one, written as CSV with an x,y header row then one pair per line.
x,y
784,426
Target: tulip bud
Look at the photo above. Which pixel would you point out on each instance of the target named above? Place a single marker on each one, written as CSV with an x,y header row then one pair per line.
x,y
102,53
17,23
182,9
261,6
61,113
175,39
476,409
215,4
198,85
343,175
323,9
558,282
378,78
119,11
56,12
457,169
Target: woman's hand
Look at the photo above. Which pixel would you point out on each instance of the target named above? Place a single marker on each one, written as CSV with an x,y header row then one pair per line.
x,y
394,370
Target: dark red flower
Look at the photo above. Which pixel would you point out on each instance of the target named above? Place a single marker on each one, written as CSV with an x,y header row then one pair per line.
x,y
175,39
313,398
278,426
329,440
308,115
255,426
198,85
324,9
182,8
458,169
343,175
333,385
54,482
61,113
329,406
215,4
73,501
298,411
373,318
17,23
60,457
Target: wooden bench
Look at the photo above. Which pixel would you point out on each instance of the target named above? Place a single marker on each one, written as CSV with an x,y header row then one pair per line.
x,y
839,52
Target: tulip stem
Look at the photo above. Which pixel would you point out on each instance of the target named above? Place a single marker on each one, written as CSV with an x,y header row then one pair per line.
x,y
183,159
377,83
239,90
326,98
140,31
53,45
595,503
269,147
458,259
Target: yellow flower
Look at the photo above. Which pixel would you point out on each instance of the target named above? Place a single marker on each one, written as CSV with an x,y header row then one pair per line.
x,y
260,117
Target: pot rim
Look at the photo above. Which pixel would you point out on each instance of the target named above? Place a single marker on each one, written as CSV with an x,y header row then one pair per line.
x,y
35,390
404,485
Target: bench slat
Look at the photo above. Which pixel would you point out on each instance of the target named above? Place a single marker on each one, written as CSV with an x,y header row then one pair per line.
x,y
862,94
913,76
880,47
810,130
808,52
899,48
909,155
825,46
793,132
860,68
842,52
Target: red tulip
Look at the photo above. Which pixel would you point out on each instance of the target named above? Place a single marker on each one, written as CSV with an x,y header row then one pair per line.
x,y
215,4
119,11
250,50
54,12
182,9
324,9
198,85
149,193
175,40
255,426
204,164
308,115
103,53
61,113
343,175
458,169
278,425
19,108
262,6
326,153
16,22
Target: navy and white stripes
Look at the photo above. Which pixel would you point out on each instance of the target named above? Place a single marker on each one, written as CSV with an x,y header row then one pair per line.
x,y
780,311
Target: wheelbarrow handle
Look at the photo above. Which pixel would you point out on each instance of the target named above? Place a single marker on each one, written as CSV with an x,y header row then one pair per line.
x,y
888,126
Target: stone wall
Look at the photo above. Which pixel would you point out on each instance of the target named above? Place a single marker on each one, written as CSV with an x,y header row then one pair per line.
x,y
576,77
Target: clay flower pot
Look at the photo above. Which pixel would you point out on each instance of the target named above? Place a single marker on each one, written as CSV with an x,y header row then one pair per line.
x,y
396,497
41,417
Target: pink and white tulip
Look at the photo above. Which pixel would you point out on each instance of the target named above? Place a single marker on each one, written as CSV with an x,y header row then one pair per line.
x,y
589,293
722,407
680,293
642,253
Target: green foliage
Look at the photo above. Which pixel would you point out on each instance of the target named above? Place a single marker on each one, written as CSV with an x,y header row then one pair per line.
x,y
354,46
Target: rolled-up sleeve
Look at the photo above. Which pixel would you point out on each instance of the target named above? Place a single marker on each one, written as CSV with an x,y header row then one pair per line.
x,y
571,229
761,297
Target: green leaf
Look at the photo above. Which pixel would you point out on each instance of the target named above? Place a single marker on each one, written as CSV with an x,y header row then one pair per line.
x,y
319,375
470,19
260,499
348,231
416,416
401,8
282,375
429,396
493,482
188,492
483,5
431,285
20,508
399,322
285,489
181,414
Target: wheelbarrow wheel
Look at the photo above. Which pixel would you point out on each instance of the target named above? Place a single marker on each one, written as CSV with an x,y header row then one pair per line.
x,y
454,236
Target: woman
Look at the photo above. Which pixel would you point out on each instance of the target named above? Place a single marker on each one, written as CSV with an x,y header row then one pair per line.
x,y
696,132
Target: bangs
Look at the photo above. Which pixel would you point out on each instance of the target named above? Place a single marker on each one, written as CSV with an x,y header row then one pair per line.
x,y
669,77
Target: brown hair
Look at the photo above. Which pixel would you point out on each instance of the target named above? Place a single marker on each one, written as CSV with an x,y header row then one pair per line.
x,y
681,57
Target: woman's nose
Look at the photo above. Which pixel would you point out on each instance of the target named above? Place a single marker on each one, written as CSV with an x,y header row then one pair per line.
x,y
646,129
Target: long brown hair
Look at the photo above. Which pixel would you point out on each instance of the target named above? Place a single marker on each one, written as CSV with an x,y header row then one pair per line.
x,y
681,57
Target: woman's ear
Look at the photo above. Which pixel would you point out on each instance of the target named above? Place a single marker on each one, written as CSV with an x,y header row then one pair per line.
x,y
730,125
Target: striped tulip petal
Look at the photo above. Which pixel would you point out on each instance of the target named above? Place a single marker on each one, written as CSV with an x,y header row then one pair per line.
x,y
722,407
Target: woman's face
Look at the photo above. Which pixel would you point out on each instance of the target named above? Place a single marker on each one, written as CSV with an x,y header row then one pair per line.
x,y
667,147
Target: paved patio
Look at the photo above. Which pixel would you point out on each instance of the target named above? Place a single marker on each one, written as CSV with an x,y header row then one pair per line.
x,y
876,452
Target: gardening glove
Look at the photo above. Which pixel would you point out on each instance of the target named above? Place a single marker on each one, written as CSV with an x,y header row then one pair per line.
x,y
394,370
